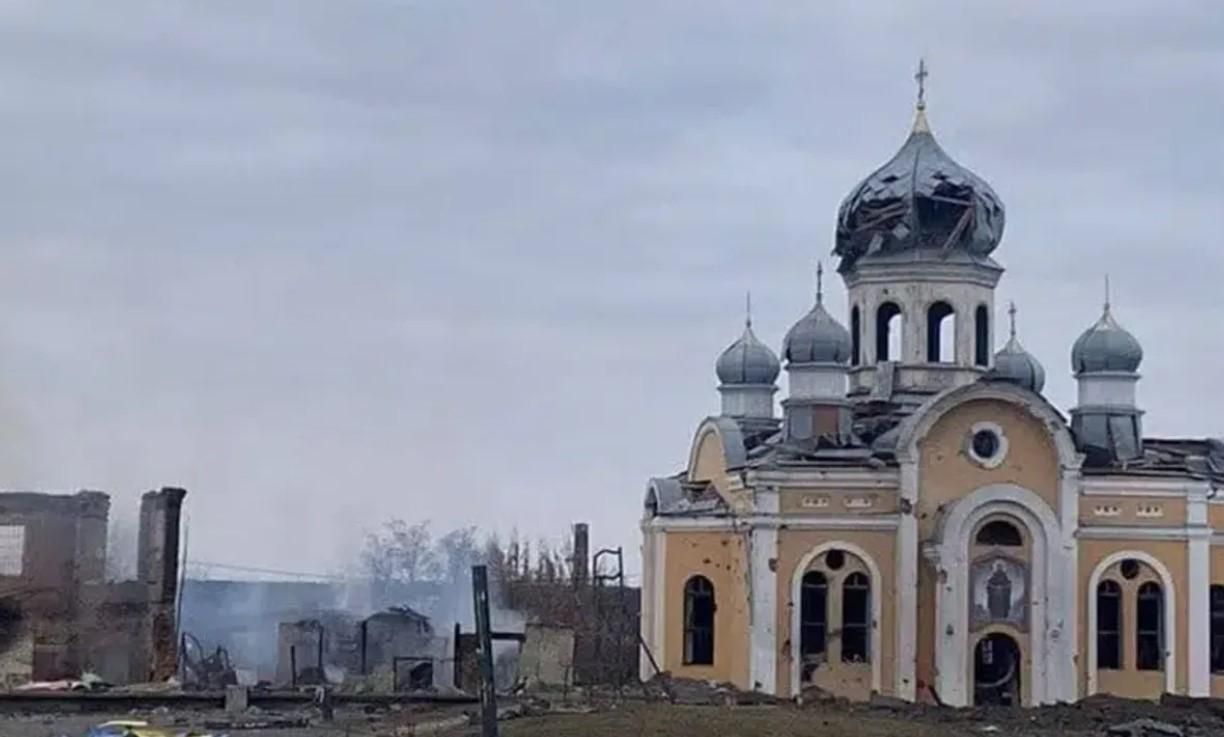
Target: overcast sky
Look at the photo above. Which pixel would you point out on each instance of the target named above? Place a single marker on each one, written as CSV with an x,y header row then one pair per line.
x,y
328,263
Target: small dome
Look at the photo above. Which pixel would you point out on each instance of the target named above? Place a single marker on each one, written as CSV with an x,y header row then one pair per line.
x,y
817,338
747,361
1106,346
920,200
1017,365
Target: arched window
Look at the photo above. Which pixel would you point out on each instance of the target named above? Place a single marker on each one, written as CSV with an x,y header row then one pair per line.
x,y
813,616
856,618
1149,628
981,336
1217,629
999,533
941,333
856,336
1109,625
889,324
698,621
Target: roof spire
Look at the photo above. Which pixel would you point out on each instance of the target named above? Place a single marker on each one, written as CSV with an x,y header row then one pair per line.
x,y
748,311
819,282
1011,314
1107,294
920,121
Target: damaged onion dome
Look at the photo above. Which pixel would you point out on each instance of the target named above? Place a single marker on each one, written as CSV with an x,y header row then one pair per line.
x,y
920,200
747,361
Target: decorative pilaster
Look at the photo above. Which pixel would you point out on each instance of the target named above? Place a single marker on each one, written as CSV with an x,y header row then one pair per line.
x,y
1198,587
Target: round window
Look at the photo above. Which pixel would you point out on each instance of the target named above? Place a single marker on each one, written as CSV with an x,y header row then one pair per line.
x,y
985,444
835,559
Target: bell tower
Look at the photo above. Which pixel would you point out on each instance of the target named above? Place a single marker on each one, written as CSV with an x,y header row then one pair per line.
x,y
915,239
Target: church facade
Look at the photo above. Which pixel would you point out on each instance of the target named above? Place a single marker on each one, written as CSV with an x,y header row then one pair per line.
x,y
921,522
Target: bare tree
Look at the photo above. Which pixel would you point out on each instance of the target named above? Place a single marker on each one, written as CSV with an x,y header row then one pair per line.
x,y
401,553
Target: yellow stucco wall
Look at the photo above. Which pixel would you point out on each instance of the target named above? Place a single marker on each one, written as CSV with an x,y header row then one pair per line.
x,y
1129,682
846,679
709,461
837,502
1130,511
946,473
720,556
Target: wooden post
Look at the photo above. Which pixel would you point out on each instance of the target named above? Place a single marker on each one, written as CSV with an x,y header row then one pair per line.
x,y
488,693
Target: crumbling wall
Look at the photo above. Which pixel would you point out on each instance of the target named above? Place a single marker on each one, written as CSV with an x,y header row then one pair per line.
x,y
157,566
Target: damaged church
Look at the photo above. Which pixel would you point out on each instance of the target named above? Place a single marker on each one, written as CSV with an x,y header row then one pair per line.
x,y
921,522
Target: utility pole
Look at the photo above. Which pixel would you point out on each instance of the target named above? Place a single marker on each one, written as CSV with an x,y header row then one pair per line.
x,y
484,638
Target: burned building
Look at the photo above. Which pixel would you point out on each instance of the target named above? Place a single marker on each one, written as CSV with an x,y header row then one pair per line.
x,y
392,650
59,616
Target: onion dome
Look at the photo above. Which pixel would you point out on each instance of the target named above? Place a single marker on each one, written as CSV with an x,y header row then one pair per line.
x,y
921,200
817,337
1106,346
1017,365
747,361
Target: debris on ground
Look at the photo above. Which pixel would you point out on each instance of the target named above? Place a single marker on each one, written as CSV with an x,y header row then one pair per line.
x,y
1145,728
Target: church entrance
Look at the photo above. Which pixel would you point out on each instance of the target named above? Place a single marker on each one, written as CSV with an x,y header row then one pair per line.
x,y
996,671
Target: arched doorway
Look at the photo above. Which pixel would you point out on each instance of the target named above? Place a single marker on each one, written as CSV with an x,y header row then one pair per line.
x,y
996,671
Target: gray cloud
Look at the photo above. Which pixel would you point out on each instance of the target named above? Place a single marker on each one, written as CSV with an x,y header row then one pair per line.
x,y
325,263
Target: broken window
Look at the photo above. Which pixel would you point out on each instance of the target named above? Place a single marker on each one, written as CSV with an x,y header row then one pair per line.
x,y
856,618
1217,629
1109,625
941,324
1149,630
698,621
888,332
999,533
981,336
856,333
813,619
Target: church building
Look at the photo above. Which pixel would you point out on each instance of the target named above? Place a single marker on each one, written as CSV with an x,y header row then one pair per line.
x,y
921,522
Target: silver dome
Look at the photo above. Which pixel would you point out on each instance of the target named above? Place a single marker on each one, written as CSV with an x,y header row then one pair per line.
x,y
920,200
747,361
1106,346
1017,365
817,338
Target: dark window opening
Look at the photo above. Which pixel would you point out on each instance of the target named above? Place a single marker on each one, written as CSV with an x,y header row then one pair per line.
x,y
941,319
856,619
835,559
1109,625
889,324
981,336
999,533
1217,629
813,617
698,621
1149,631
856,337
1129,568
985,444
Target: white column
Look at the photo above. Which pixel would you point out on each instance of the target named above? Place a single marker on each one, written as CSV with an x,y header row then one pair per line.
x,y
1198,587
906,583
646,621
763,593
764,610
1064,607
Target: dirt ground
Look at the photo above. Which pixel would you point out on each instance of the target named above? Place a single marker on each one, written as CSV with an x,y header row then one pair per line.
x,y
1092,718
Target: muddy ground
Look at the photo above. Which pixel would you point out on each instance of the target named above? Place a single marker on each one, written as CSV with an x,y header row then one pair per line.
x,y
1092,718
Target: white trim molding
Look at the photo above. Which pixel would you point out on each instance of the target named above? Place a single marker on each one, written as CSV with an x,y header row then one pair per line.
x,y
905,581
1052,610
877,591
882,522
1170,615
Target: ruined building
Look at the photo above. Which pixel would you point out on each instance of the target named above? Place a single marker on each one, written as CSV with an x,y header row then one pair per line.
x,y
920,521
59,616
